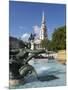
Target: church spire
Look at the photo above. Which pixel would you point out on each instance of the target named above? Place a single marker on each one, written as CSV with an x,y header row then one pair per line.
x,y
43,18
43,31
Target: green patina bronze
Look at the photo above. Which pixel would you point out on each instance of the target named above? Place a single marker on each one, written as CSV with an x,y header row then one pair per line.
x,y
18,63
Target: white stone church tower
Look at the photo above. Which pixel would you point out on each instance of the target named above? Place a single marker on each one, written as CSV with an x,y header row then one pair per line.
x,y
43,31
36,44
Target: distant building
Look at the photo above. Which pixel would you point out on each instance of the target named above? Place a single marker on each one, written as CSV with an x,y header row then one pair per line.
x,y
43,34
15,43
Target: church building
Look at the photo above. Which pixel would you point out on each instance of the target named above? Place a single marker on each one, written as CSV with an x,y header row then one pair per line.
x,y
42,34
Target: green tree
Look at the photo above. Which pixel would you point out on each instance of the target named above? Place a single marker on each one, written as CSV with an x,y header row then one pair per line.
x,y
45,43
59,38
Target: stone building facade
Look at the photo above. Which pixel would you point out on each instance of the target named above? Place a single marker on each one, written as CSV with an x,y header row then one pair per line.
x,y
42,34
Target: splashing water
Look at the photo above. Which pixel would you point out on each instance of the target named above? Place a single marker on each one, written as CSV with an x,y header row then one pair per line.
x,y
47,73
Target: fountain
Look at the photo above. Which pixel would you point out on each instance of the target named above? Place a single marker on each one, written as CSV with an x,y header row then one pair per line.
x,y
19,66
27,71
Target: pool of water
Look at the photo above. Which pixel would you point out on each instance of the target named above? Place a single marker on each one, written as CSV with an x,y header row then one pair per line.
x,y
48,73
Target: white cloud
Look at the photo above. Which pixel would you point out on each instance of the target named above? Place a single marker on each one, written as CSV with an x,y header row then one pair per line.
x,y
25,37
21,27
36,30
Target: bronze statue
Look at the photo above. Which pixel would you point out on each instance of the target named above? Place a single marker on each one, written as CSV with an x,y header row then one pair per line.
x,y
18,63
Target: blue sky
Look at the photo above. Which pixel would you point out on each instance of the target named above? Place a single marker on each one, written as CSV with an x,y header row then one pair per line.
x,y
25,17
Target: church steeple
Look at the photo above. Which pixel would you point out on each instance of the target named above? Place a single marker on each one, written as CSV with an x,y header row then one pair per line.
x,y
43,31
43,18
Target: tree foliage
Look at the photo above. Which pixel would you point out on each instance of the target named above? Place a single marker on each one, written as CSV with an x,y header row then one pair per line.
x,y
45,43
58,41
59,38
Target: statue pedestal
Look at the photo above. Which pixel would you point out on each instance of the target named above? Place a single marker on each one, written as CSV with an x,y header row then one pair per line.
x,y
32,45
